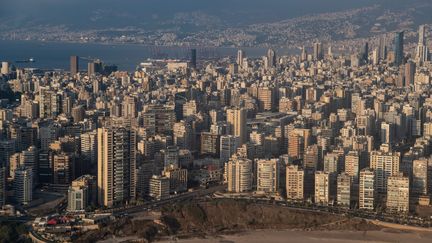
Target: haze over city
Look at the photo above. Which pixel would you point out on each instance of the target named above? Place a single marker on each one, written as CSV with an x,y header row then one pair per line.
x,y
215,121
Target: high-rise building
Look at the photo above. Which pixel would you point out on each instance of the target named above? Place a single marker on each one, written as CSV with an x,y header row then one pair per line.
x,y
295,145
4,68
295,177
171,157
23,185
177,179
268,175
183,135
193,58
399,48
410,70
333,163
240,56
7,149
385,164
158,119
116,165
63,164
2,185
365,53
318,51
49,103
74,65
398,193
94,67
422,51
266,99
352,164
323,184
228,146
367,189
159,187
210,144
82,193
382,49
89,146
303,55
311,157
420,178
236,119
238,174
271,58
144,174
344,190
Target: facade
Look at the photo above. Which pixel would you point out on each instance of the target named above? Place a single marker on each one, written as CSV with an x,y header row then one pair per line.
x,y
116,165
178,179
23,185
63,164
228,146
268,175
239,175
323,185
352,164
420,178
367,189
82,193
159,187
89,147
295,177
399,47
344,190
398,194
385,164
236,119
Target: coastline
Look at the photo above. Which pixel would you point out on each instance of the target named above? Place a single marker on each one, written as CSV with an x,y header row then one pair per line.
x,y
301,236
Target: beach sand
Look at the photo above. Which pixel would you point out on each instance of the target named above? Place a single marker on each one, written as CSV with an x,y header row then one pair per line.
x,y
288,236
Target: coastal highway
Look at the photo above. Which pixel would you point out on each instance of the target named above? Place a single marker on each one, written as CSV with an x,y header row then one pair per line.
x,y
173,199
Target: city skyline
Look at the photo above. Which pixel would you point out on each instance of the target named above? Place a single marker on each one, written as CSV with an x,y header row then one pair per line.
x,y
334,137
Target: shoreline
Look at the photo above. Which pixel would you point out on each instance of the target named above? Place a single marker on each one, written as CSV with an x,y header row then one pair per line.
x,y
304,236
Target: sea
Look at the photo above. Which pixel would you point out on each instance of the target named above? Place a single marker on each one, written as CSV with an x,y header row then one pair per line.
x,y
56,55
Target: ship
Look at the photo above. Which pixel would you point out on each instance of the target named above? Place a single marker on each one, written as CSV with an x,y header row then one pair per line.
x,y
31,59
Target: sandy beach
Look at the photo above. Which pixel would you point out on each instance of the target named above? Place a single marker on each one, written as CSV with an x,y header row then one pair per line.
x,y
288,236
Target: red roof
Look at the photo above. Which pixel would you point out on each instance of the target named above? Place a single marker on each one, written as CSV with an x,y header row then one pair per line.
x,y
52,222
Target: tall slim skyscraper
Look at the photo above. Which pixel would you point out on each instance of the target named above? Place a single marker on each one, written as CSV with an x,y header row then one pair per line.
x,y
193,58
367,189
271,58
74,65
240,57
317,51
365,53
23,185
382,48
399,48
410,69
422,51
236,119
116,165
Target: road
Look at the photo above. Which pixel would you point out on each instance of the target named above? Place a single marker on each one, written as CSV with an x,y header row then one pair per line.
x,y
172,199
